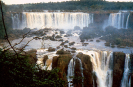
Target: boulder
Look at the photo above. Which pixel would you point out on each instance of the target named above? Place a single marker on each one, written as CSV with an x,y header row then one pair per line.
x,y
60,52
50,49
72,43
32,56
73,48
58,36
65,46
58,47
45,59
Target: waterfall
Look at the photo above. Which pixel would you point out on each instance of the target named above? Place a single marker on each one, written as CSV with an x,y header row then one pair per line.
x,y
16,21
126,81
101,67
70,72
57,20
127,21
71,68
118,20
40,56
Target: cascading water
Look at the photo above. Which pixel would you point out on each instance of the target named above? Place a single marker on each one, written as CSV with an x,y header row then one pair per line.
x,y
59,20
118,20
126,81
70,72
127,21
48,63
101,68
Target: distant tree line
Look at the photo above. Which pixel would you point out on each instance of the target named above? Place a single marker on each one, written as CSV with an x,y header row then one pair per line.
x,y
74,5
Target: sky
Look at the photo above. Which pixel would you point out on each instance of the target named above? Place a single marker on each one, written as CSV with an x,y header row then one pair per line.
x,y
37,1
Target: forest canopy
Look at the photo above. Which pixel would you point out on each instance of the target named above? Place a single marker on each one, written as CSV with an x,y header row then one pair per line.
x,y
73,5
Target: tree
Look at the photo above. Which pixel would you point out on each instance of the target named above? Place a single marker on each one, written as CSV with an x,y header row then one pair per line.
x,y
1,23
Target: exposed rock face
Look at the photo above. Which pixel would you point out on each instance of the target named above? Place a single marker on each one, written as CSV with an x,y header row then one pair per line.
x,y
119,61
32,57
45,59
131,70
87,65
54,62
77,81
62,62
100,17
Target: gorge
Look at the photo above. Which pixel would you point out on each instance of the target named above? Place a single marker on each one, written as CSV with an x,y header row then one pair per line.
x,y
87,65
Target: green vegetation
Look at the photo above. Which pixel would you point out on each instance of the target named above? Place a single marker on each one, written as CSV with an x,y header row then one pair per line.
x,y
17,72
119,37
73,5
1,23
7,20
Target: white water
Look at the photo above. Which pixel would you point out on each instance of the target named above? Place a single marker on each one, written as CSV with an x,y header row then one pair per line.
x,y
101,62
57,20
118,20
101,68
70,72
48,64
127,21
126,81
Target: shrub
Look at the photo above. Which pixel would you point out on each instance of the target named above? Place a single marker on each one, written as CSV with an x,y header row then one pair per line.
x,y
16,71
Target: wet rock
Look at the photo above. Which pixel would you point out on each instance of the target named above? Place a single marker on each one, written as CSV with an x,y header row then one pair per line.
x,y
66,41
87,71
72,43
66,35
45,59
73,51
62,52
61,40
50,37
50,49
26,30
54,62
77,81
62,62
97,40
73,48
131,70
82,40
40,32
65,46
32,56
58,47
118,70
62,32
107,44
62,43
85,44
58,36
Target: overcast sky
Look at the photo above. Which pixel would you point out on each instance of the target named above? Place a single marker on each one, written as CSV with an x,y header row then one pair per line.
x,y
36,1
